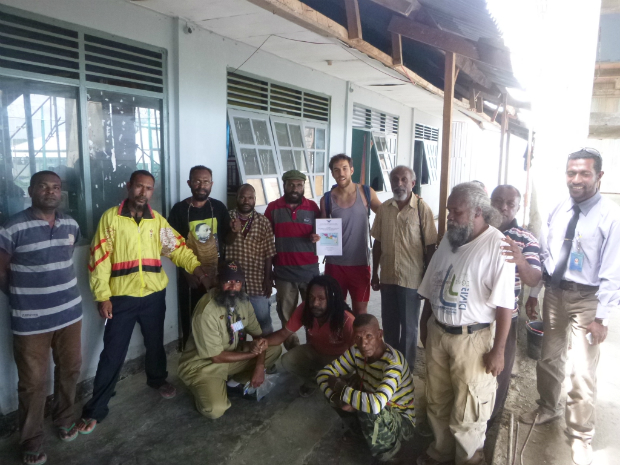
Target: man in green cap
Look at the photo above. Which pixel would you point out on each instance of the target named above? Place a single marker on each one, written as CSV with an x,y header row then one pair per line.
x,y
296,263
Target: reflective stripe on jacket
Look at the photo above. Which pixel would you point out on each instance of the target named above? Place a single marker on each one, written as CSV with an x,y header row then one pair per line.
x,y
125,257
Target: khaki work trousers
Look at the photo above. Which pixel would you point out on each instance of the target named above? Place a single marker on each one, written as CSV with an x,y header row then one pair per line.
x,y
210,393
566,315
287,300
460,393
32,357
305,362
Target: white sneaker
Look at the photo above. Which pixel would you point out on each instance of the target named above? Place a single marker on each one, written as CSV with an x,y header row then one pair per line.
x,y
582,452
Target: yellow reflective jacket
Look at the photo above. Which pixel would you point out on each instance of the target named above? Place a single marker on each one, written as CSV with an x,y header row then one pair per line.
x,y
125,258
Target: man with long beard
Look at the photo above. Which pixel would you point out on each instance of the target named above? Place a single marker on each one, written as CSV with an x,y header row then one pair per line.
x,y
217,351
405,235
469,292
204,223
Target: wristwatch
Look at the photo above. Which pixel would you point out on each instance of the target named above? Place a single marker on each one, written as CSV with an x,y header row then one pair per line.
x,y
602,321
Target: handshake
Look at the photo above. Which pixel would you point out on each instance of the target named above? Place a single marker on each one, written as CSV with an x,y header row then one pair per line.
x,y
258,346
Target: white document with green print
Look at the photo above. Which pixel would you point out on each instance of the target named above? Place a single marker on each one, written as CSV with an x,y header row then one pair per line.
x,y
330,233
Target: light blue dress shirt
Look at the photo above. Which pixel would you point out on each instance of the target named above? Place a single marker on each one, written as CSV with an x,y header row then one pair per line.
x,y
597,237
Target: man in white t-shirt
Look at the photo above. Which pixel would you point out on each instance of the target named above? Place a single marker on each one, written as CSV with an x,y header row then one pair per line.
x,y
469,292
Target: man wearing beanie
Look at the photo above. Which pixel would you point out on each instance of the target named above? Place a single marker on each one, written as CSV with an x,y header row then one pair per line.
x,y
217,350
296,263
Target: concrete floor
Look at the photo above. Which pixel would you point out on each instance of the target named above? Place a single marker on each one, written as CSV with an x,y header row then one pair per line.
x,y
144,429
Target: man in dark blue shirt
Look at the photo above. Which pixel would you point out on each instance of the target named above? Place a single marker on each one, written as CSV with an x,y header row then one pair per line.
x,y
523,250
36,272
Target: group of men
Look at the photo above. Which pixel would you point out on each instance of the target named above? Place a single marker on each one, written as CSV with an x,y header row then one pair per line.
x,y
229,262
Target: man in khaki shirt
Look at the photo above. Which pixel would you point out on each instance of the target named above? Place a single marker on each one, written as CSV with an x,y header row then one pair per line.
x,y
399,251
216,349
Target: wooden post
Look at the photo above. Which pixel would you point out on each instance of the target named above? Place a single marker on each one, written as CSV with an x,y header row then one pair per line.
x,y
354,24
446,142
526,198
507,158
502,139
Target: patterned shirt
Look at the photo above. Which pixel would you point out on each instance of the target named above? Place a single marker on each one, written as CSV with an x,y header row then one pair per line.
x,y
530,248
250,250
387,381
296,261
401,246
43,291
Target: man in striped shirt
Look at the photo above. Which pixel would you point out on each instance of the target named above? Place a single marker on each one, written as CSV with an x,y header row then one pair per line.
x,y
37,274
372,383
293,218
523,250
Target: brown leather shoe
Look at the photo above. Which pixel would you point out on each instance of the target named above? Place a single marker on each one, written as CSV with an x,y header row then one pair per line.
x,y
543,417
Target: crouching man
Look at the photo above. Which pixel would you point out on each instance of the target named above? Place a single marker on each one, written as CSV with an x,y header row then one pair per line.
x,y
469,292
217,350
328,322
372,385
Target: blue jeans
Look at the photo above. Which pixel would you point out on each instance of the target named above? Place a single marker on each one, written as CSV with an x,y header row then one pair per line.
x,y
262,310
400,315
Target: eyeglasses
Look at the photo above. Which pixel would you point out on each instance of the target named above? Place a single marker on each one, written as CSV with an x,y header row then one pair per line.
x,y
589,151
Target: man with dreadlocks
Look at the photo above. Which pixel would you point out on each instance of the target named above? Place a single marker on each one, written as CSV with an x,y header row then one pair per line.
x,y
216,351
328,322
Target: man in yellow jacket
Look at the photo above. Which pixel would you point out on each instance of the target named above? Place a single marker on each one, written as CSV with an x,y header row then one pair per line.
x,y
129,285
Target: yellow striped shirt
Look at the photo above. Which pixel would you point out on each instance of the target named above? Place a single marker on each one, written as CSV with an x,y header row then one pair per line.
x,y
388,380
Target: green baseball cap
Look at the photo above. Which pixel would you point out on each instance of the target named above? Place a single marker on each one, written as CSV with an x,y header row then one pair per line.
x,y
293,174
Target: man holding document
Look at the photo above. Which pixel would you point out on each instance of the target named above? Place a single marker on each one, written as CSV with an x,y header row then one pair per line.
x,y
344,234
405,236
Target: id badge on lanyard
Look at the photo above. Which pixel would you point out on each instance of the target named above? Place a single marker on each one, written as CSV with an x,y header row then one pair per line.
x,y
576,258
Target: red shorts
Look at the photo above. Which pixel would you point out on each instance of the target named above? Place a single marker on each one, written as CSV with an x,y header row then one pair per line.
x,y
353,279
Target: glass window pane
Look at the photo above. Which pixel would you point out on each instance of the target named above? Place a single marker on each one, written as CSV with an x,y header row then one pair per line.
x,y
261,132
39,131
258,187
282,135
296,135
319,162
124,134
382,161
311,161
309,136
287,160
250,162
318,185
244,131
266,161
300,160
272,189
320,139
307,189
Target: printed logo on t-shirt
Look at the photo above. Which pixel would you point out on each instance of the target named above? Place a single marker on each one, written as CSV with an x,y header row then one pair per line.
x,y
203,229
454,292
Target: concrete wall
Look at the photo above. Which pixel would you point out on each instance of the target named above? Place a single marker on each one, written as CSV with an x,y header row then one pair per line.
x,y
196,130
609,38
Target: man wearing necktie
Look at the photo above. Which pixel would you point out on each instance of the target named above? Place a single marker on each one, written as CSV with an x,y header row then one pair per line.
x,y
581,253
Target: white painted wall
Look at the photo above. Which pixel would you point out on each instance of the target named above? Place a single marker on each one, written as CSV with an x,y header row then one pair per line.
x,y
196,130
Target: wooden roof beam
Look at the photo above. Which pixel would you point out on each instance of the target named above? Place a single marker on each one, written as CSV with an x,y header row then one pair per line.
x,y
397,50
354,22
450,42
404,7
301,14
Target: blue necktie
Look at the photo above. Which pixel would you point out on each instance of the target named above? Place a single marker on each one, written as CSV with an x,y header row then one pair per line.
x,y
560,266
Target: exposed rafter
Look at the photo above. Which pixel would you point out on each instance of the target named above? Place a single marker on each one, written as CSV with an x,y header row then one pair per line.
x,y
450,42
307,17
354,21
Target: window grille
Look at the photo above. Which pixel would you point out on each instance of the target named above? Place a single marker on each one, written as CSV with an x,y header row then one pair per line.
x,y
250,93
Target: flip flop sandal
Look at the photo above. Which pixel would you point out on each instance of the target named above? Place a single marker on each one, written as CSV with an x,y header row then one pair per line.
x,y
63,433
88,422
42,458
